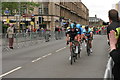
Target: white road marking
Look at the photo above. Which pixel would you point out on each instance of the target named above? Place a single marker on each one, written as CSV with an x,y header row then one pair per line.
x,y
36,59
10,72
42,57
47,55
60,49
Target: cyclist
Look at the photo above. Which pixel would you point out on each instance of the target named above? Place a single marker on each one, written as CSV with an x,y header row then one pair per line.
x,y
71,34
88,36
67,33
80,31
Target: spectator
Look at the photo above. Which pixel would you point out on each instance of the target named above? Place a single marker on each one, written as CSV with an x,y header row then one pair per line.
x,y
56,32
10,33
113,31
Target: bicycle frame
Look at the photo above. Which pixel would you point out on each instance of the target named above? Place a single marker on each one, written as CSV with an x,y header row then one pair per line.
x,y
72,50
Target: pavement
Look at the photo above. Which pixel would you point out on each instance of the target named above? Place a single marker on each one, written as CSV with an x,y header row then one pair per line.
x,y
51,60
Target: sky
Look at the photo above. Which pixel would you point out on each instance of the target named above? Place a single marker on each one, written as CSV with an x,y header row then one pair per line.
x,y
100,7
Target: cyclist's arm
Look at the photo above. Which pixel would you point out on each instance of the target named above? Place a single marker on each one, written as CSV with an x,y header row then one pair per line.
x,y
91,34
67,38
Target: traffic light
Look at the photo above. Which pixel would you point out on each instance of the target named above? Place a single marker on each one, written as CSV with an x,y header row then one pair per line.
x,y
33,19
41,20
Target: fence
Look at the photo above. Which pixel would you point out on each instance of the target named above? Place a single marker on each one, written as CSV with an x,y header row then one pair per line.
x,y
30,38
108,72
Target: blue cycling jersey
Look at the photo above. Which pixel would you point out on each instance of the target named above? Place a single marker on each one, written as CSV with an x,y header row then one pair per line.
x,y
87,33
80,30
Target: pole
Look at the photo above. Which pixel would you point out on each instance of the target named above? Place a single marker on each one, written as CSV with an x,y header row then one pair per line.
x,y
19,17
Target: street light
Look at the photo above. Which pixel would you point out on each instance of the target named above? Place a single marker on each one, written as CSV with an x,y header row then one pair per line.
x,y
7,13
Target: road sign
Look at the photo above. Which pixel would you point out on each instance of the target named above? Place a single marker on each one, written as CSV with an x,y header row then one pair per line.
x,y
17,15
7,11
7,20
32,15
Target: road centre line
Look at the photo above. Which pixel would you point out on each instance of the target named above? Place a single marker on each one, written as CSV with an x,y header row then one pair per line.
x,y
60,49
42,57
32,61
10,72
47,55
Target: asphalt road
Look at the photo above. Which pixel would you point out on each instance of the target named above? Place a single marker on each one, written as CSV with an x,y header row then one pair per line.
x,y
50,60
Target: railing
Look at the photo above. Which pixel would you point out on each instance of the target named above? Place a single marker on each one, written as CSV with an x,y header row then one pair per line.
x,y
108,72
31,38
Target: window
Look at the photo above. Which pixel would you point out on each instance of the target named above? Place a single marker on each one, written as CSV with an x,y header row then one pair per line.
x,y
40,11
46,10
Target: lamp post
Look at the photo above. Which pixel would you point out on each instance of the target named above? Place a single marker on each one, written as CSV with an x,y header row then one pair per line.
x,y
19,16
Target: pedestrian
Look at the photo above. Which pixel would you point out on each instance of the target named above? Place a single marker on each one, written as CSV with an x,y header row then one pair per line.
x,y
113,31
10,34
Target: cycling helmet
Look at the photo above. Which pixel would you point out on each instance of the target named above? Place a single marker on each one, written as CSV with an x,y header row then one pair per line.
x,y
78,26
86,27
68,27
72,25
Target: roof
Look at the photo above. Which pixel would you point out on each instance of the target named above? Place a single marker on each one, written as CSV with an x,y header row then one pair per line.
x,y
94,19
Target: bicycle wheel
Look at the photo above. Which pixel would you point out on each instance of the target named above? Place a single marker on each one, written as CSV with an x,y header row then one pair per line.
x,y
74,54
88,48
71,61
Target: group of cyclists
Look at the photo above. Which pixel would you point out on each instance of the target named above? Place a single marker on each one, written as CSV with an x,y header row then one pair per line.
x,y
75,32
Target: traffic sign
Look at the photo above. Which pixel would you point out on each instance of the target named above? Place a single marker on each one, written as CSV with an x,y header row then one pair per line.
x,y
7,11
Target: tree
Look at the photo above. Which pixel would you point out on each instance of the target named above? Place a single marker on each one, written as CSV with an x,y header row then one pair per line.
x,y
13,7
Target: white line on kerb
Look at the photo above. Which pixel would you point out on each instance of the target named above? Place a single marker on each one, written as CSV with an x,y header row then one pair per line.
x,y
10,72
60,49
42,57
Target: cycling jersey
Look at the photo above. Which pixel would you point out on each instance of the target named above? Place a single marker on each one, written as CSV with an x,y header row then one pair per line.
x,y
116,27
72,35
87,33
80,30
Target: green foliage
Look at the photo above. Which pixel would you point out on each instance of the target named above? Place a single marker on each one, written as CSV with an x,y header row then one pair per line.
x,y
13,7
4,26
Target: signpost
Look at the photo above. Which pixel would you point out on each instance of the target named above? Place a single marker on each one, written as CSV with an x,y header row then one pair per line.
x,y
7,13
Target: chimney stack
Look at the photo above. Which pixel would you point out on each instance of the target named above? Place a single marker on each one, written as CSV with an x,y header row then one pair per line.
x,y
96,16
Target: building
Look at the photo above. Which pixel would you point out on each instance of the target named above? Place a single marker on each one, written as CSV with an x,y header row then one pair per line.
x,y
94,21
118,7
56,13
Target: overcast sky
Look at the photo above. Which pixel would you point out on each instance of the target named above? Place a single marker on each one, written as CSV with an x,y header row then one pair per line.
x,y
100,7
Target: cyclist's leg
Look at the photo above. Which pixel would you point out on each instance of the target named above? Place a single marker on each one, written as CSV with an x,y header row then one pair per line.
x,y
86,39
82,36
90,43
79,37
70,42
